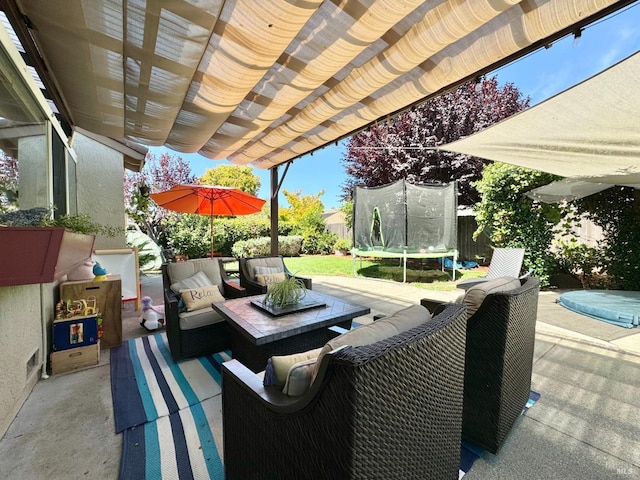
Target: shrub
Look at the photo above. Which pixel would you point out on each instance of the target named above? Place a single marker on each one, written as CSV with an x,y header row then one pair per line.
x,y
190,235
342,244
578,259
511,219
81,223
288,246
315,242
616,211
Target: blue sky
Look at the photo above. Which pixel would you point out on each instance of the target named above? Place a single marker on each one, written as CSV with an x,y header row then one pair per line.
x,y
539,75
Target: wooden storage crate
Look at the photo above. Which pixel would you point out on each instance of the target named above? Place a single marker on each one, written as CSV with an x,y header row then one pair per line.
x,y
75,358
108,294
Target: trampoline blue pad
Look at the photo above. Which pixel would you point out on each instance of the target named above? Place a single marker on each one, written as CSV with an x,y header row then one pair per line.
x,y
613,306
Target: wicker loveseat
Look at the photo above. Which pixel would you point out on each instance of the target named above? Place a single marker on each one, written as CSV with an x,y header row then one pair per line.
x,y
499,357
201,331
251,269
389,409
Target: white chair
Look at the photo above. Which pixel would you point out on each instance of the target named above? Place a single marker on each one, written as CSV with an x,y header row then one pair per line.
x,y
505,262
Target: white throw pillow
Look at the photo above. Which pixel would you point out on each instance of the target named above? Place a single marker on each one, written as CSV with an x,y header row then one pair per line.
x,y
260,269
299,378
197,280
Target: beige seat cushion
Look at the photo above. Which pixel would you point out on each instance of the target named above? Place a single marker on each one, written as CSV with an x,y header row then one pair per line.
x,y
474,297
199,318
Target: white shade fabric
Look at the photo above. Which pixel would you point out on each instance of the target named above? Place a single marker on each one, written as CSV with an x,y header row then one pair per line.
x,y
566,190
590,132
264,82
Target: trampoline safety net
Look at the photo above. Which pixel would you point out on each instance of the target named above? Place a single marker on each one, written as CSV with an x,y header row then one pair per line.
x,y
401,217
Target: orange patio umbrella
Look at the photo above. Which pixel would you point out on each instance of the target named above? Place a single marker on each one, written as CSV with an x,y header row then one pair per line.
x,y
212,200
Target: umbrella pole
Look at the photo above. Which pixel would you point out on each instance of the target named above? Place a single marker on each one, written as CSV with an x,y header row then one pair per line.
x,y
211,228
211,236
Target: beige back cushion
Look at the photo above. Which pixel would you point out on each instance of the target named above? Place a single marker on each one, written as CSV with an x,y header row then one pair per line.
x,y
474,297
179,271
399,322
270,262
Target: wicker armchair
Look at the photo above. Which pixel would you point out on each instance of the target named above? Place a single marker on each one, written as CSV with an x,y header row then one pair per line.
x,y
391,409
193,334
499,359
247,270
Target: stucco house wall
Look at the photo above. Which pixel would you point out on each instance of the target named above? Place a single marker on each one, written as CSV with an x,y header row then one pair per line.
x,y
100,172
27,311
22,344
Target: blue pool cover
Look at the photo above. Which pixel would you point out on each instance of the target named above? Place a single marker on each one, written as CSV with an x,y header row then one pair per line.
x,y
613,306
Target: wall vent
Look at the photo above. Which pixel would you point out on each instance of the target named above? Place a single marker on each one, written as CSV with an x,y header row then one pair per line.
x,y
33,363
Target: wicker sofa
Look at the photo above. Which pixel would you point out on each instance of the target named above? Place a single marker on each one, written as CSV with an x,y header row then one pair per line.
x,y
250,269
201,331
388,409
499,357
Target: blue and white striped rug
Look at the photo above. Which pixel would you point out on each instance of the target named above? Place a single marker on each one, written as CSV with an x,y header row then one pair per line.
x,y
170,414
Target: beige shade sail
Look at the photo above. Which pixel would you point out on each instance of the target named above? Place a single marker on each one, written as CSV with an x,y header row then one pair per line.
x,y
264,82
566,190
589,132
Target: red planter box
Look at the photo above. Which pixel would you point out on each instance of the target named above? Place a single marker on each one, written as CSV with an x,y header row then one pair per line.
x,y
31,255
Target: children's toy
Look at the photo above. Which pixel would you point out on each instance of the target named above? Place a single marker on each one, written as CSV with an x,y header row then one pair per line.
x,y
100,272
152,316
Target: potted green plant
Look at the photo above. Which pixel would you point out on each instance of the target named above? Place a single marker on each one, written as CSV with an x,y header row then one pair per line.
x,y
342,247
286,292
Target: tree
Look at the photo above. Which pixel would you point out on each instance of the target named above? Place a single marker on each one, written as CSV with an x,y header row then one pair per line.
x,y
404,146
305,215
158,174
236,176
511,219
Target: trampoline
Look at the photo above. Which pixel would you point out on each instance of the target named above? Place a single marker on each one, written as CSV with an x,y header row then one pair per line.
x,y
613,306
402,220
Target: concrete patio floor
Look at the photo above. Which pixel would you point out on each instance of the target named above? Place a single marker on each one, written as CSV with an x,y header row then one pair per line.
x,y
586,425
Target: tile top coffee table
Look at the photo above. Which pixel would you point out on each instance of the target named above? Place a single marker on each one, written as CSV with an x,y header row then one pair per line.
x,y
257,335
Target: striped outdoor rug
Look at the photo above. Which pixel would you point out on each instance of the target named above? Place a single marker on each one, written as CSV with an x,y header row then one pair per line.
x,y
170,414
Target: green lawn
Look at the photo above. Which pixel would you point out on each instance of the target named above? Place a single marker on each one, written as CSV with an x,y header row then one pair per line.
x,y
427,276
